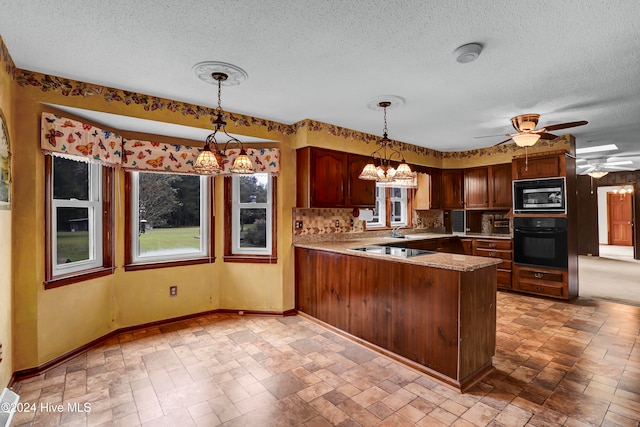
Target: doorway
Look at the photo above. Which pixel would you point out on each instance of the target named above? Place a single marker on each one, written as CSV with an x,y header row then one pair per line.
x,y
619,218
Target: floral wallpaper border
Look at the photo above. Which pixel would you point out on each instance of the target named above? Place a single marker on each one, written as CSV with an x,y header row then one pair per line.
x,y
10,67
68,87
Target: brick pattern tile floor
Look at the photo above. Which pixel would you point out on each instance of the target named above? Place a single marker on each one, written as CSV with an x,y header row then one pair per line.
x,y
556,364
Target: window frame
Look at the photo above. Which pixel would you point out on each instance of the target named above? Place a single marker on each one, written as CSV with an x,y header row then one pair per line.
x,y
407,200
102,187
134,262
404,200
248,256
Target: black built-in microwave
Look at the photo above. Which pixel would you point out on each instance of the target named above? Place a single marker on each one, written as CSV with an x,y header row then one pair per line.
x,y
539,196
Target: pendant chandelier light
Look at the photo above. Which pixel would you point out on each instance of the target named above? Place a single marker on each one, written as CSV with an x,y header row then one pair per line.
x,y
210,158
380,169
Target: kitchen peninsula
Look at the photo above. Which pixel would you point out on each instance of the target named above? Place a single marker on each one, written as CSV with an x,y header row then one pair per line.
x,y
434,311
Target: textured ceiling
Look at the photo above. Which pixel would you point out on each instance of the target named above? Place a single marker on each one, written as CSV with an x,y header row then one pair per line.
x,y
567,60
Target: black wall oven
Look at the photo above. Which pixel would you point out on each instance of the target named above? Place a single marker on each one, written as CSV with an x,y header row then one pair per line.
x,y
540,242
539,196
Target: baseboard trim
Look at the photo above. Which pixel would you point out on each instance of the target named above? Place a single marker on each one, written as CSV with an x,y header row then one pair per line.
x,y
31,372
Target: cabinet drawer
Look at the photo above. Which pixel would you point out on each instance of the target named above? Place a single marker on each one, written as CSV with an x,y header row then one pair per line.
x,y
504,279
493,244
494,253
505,265
540,275
546,289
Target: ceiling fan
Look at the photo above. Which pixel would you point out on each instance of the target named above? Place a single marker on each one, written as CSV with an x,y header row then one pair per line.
x,y
597,168
527,134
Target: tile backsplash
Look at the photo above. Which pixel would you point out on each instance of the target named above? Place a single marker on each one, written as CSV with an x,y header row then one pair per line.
x,y
331,221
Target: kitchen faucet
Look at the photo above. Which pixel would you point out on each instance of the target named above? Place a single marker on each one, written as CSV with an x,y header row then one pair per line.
x,y
395,233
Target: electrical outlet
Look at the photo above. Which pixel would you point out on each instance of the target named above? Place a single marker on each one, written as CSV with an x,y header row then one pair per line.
x,y
0,352
337,223
298,225
173,291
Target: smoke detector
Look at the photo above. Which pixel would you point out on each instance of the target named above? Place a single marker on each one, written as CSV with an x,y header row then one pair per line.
x,y
467,53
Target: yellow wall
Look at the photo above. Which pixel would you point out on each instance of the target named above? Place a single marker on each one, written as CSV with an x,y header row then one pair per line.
x,y
6,299
53,322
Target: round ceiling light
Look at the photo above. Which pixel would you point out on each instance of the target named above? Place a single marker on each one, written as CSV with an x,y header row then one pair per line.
x,y
467,53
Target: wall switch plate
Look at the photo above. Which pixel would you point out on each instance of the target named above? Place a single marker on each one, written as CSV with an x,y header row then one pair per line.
x,y
173,291
298,225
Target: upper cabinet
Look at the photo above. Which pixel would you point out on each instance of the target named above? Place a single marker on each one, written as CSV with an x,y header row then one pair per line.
x,y
329,179
500,192
542,165
452,189
476,187
488,187
422,196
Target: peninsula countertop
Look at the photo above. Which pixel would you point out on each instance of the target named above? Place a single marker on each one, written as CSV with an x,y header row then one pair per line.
x,y
447,261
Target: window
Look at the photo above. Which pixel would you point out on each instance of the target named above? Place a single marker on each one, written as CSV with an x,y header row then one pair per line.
x,y
251,223
391,208
78,220
169,218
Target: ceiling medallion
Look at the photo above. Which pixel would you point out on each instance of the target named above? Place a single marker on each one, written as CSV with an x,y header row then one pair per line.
x,y
391,101
205,70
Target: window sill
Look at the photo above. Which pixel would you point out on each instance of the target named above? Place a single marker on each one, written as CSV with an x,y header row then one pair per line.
x,y
71,278
164,264
255,259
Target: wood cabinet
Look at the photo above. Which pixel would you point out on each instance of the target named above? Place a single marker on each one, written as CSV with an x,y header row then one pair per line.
x,y
497,248
422,195
435,176
488,187
360,193
542,281
443,320
500,188
452,189
329,179
542,165
476,187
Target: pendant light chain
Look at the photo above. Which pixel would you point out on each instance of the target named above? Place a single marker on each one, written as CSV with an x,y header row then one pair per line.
x,y
384,131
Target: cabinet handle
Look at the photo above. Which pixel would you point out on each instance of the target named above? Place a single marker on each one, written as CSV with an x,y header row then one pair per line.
x,y
539,275
492,245
539,288
492,254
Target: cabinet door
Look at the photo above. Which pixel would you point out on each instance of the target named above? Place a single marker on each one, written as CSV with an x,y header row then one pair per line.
x,y
476,187
305,285
452,189
501,191
422,196
328,178
436,188
362,194
538,167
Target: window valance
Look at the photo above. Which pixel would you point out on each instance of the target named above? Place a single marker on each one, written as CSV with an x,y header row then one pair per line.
x,y
79,141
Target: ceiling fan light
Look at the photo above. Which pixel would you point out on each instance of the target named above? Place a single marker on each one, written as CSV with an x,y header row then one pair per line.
x,y
526,139
206,163
242,163
597,174
369,173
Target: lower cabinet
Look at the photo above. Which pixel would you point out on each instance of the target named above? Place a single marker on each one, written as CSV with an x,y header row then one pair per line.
x,y
443,320
541,281
497,248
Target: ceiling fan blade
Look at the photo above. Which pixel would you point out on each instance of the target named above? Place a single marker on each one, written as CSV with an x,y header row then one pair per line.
x,y
618,167
588,170
500,143
566,125
491,136
549,136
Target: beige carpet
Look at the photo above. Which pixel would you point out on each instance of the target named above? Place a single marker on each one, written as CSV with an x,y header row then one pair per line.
x,y
611,279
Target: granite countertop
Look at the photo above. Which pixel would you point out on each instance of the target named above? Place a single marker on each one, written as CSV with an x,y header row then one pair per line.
x,y
442,260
